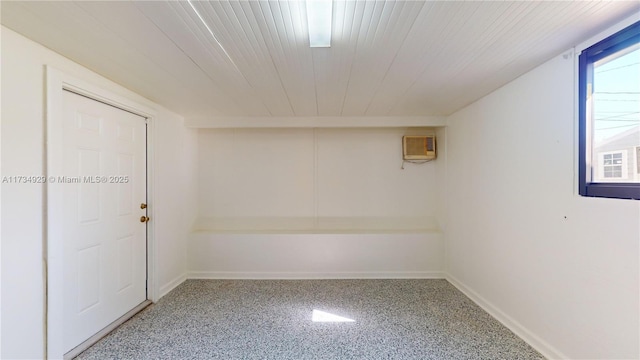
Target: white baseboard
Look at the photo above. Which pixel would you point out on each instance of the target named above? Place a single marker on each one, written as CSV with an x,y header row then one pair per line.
x,y
529,337
315,275
166,288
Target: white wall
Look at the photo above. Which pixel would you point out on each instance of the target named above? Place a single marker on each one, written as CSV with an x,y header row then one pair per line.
x,y
23,153
256,173
308,256
441,179
309,203
560,269
1,174
309,176
175,194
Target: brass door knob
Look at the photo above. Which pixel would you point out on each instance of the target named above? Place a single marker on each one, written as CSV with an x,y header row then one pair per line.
x,y
143,206
144,219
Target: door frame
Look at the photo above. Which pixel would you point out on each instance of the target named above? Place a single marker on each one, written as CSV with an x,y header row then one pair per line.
x,y
53,248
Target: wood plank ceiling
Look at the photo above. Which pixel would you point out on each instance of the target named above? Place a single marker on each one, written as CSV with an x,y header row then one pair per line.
x,y
207,59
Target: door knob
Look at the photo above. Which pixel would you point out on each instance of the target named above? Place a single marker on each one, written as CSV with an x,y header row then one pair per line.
x,y
143,206
144,219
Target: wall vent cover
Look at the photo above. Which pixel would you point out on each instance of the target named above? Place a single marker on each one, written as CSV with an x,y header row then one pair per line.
x,y
418,147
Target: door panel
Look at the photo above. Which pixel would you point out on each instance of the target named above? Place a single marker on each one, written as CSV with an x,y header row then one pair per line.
x,y
104,240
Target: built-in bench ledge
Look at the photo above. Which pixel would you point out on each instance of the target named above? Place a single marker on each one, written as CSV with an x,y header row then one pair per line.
x,y
319,225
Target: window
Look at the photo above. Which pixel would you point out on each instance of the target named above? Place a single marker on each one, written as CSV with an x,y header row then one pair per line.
x,y
612,166
609,116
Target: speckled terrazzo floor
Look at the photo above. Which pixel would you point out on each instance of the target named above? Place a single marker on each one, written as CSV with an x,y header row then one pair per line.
x,y
268,319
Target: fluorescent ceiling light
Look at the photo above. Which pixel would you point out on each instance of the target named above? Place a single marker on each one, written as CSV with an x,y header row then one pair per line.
x,y
319,21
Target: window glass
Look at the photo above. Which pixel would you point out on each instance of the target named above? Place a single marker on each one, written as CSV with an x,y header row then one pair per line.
x,y
616,113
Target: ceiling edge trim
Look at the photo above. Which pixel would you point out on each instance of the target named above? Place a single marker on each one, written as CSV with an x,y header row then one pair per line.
x,y
234,122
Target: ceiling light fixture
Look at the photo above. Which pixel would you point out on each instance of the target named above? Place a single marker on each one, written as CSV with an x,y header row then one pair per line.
x,y
319,21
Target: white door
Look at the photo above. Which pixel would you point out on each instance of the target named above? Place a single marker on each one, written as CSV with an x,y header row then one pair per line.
x,y
104,180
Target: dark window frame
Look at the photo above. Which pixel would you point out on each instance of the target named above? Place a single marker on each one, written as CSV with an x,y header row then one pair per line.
x,y
623,39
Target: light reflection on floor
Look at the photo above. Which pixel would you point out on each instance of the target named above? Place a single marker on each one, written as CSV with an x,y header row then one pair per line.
x,y
322,316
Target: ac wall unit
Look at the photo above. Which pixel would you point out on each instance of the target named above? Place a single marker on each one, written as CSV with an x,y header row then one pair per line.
x,y
418,147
